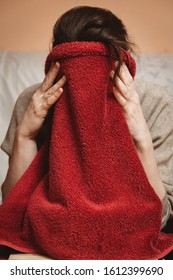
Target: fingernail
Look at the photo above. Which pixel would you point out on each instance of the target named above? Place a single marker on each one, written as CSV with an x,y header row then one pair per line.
x,y
112,73
60,90
57,64
64,77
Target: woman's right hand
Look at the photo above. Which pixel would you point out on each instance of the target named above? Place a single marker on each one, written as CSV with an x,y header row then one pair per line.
x,y
44,97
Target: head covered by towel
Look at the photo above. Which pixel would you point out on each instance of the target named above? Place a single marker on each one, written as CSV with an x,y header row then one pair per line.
x,y
86,194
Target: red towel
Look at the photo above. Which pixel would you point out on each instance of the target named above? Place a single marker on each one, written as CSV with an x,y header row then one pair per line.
x,y
86,195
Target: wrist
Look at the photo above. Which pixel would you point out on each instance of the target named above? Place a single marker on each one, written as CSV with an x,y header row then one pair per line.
x,y
22,137
144,144
22,133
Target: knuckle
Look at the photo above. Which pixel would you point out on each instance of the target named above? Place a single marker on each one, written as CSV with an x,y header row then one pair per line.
x,y
46,82
117,80
49,101
49,92
36,108
129,82
58,93
39,112
124,104
126,91
36,111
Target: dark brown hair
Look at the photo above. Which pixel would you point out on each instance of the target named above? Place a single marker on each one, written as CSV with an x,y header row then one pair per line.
x,y
86,23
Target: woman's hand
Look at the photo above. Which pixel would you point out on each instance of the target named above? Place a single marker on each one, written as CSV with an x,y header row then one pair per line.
x,y
45,96
24,145
125,93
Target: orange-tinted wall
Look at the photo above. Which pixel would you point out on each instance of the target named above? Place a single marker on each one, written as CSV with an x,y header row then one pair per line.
x,y
27,25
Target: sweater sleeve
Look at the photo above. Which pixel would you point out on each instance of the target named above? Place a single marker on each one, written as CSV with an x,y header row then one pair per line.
x,y
157,105
18,112
162,134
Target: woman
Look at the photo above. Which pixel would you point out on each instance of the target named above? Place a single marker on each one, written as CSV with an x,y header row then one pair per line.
x,y
145,106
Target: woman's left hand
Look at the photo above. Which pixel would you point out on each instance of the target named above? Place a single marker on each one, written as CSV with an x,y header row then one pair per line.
x,y
125,93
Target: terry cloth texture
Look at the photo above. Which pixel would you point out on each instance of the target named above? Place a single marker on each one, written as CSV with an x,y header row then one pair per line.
x,y
85,195
157,106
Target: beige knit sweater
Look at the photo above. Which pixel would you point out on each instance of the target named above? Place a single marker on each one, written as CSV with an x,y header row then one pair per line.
x,y
157,105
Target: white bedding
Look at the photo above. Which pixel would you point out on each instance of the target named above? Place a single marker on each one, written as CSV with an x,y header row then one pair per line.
x,y
19,70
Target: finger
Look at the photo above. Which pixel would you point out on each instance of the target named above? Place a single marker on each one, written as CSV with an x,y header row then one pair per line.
x,y
50,77
121,100
121,87
56,86
125,75
53,94
112,74
53,98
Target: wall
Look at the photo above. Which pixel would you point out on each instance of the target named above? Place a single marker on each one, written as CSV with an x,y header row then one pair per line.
x,y
27,25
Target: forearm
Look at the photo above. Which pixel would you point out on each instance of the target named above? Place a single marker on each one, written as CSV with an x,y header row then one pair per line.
x,y
146,154
24,151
